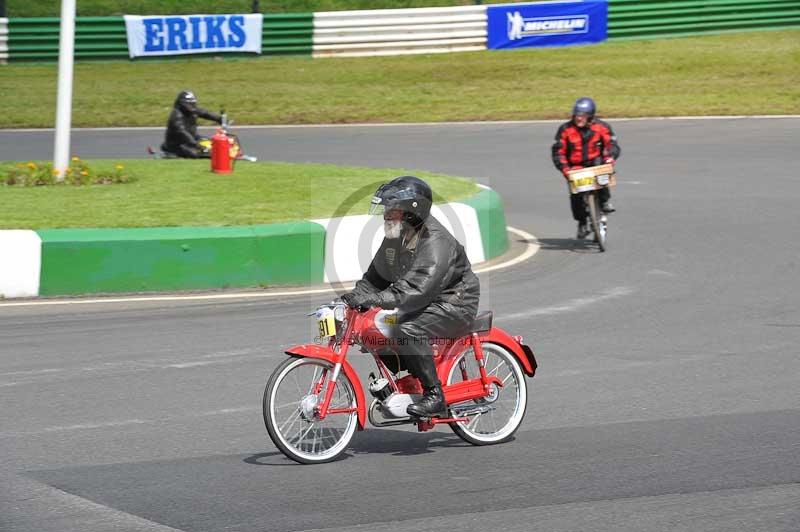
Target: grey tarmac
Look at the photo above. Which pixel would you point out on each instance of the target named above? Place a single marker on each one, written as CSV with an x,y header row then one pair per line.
x,y
667,396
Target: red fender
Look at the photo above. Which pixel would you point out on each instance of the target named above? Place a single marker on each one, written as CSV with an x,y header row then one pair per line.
x,y
325,353
495,336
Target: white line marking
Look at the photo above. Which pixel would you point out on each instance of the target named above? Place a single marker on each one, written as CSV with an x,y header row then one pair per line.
x,y
532,248
242,295
88,426
31,372
111,369
192,364
661,272
411,124
231,410
37,506
572,305
128,422
531,245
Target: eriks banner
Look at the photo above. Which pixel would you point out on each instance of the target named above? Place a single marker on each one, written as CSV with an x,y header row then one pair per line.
x,y
193,34
547,24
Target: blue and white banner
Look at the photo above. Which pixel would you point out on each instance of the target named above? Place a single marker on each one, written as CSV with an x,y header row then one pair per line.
x,y
193,34
547,24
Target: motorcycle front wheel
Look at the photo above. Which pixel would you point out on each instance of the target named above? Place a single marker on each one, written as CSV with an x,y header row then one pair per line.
x,y
598,226
290,401
496,418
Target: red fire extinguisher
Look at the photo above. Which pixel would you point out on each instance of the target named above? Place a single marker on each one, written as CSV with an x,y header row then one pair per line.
x,y
221,162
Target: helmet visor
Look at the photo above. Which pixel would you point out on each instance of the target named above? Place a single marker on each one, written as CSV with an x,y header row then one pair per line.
x,y
381,207
377,206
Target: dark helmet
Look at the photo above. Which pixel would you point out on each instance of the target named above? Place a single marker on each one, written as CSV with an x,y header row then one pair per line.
x,y
408,193
187,101
584,105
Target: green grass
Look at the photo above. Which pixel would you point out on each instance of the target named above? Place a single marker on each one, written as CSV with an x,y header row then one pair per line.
x,y
51,8
747,73
186,193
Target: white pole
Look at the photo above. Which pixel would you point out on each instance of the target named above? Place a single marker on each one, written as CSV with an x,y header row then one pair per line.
x,y
66,49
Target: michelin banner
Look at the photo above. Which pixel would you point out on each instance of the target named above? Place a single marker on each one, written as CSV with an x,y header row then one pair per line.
x,y
193,34
547,24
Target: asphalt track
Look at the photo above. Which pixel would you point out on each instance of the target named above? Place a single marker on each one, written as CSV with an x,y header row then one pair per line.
x,y
668,396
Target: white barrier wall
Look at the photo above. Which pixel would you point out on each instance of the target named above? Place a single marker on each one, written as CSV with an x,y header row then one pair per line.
x,y
20,262
3,40
399,31
352,241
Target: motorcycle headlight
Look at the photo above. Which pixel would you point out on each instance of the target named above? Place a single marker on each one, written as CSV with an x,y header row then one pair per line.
x,y
338,312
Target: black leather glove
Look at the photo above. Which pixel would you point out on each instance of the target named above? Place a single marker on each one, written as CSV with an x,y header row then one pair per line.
x,y
362,301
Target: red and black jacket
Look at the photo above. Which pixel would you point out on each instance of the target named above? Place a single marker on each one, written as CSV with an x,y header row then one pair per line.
x,y
578,147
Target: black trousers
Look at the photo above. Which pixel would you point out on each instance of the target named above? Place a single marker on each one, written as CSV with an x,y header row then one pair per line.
x,y
414,351
579,208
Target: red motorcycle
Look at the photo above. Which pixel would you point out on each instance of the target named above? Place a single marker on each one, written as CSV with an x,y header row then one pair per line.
x,y
314,401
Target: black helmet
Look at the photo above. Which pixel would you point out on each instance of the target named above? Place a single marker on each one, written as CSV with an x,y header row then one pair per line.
x,y
584,105
186,100
408,193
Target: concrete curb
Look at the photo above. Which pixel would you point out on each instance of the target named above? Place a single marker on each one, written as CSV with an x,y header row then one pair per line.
x,y
92,261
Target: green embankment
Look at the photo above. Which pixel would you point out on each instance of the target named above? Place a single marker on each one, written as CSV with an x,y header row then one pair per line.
x,y
180,258
186,193
748,73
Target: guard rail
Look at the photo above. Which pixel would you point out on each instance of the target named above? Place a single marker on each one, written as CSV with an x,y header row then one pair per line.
x,y
635,19
406,31
36,39
399,31
3,40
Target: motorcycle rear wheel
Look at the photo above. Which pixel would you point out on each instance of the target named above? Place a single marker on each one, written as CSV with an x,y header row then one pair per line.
x,y
501,414
288,409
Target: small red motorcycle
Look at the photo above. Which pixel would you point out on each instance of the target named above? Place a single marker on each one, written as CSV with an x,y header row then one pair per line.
x,y
314,401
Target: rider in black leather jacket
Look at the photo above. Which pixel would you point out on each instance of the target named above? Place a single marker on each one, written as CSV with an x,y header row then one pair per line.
x,y
181,138
421,270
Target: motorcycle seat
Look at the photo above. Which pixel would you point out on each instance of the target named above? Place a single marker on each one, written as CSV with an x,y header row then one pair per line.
x,y
482,322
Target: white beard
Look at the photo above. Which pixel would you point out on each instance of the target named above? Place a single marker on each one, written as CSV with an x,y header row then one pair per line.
x,y
393,228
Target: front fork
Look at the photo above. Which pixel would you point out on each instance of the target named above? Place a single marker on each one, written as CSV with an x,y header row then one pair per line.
x,y
324,409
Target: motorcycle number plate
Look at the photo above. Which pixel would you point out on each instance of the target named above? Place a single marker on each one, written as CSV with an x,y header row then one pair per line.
x,y
582,184
327,325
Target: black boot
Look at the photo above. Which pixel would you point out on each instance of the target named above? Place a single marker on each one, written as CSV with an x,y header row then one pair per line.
x,y
432,402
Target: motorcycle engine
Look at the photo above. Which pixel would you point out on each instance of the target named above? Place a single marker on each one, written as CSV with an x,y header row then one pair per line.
x,y
395,405
380,389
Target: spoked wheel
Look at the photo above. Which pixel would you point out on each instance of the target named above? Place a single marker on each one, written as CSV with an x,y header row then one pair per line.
x,y
598,225
493,419
293,392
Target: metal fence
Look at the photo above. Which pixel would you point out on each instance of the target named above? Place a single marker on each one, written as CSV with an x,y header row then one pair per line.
x,y
287,34
3,40
400,31
637,19
36,39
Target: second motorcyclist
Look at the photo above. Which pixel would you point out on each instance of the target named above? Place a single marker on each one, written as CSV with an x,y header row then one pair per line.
x,y
423,271
581,142
181,138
